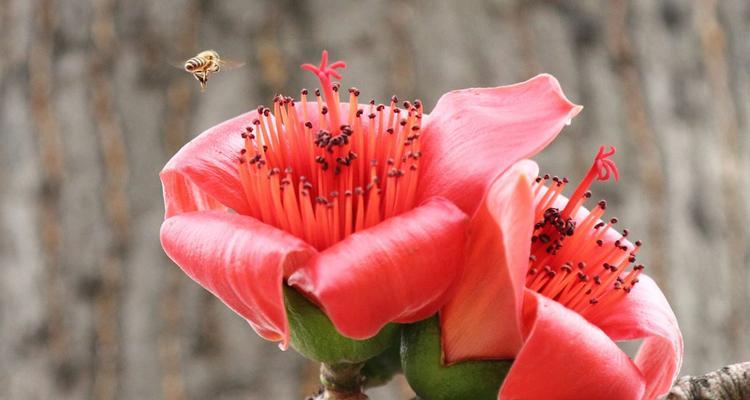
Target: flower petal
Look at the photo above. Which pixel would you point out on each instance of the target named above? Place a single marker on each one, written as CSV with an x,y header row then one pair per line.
x,y
204,174
240,260
396,271
482,319
473,135
565,357
645,314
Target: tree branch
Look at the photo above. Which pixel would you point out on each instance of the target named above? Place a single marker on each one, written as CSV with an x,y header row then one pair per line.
x,y
731,383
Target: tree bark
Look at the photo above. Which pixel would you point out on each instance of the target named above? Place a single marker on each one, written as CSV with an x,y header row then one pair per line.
x,y
728,383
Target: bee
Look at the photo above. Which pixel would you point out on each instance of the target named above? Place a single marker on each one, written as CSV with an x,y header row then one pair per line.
x,y
206,63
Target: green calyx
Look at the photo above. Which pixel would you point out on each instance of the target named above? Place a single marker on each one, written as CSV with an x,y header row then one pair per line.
x,y
314,336
421,360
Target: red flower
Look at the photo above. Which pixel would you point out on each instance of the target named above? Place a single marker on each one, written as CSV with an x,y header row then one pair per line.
x,y
361,207
558,302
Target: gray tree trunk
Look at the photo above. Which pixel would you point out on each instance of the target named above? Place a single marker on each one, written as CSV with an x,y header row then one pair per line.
x,y
90,307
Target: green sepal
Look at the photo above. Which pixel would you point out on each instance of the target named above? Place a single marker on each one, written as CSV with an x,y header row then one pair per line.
x,y
421,360
313,335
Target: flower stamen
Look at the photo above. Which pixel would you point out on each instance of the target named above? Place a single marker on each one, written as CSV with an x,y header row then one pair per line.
x,y
573,262
322,178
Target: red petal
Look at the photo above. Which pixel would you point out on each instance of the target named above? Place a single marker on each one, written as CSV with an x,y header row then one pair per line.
x,y
473,135
565,357
240,260
203,174
398,270
482,319
645,314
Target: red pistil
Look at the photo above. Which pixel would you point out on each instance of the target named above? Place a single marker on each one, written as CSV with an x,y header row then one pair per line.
x,y
323,184
570,261
324,72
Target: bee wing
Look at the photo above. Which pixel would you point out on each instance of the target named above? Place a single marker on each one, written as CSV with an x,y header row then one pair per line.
x,y
227,64
177,64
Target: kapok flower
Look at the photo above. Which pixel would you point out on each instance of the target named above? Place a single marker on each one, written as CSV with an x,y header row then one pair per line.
x,y
360,206
553,286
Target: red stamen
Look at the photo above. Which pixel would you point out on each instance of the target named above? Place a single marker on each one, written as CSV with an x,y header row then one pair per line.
x,y
600,276
371,159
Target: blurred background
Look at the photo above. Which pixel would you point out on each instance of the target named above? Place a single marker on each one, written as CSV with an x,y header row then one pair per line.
x,y
90,307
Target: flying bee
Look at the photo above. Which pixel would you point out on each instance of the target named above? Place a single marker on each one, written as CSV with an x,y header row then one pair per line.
x,y
206,63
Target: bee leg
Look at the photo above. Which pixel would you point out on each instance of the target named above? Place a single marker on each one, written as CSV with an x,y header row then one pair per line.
x,y
202,78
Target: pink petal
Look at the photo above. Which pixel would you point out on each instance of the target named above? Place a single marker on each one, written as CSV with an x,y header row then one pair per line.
x,y
240,260
482,319
473,135
565,357
204,174
399,270
645,314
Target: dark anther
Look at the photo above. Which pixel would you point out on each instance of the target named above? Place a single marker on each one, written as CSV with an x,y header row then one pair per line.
x,y
317,92
308,125
303,92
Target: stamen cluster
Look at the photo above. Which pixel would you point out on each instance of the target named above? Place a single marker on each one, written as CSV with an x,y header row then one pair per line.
x,y
571,261
323,171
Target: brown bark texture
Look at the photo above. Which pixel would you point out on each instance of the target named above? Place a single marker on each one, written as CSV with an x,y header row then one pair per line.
x,y
90,110
729,383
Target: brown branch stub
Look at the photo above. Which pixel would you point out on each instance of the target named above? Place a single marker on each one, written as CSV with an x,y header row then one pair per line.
x,y
340,382
731,383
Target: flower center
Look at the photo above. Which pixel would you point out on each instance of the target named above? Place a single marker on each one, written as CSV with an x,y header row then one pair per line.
x,y
321,175
573,262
